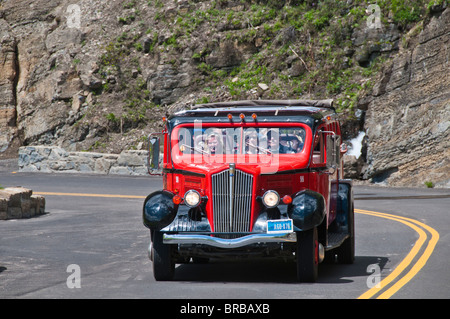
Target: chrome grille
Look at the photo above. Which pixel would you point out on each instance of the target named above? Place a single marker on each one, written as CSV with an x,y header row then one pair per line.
x,y
232,200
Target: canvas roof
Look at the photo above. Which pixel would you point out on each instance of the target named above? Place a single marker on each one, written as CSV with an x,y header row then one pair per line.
x,y
288,103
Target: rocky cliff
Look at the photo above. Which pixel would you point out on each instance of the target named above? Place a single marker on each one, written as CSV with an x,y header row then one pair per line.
x,y
408,112
98,75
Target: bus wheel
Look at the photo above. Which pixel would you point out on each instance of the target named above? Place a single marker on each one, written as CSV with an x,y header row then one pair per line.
x,y
163,264
307,255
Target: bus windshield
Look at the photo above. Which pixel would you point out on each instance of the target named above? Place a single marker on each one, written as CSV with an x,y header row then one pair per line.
x,y
242,140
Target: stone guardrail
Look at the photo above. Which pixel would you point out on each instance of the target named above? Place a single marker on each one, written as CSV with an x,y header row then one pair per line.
x,y
51,159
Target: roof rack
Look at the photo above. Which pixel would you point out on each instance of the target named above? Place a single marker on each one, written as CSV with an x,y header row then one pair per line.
x,y
282,103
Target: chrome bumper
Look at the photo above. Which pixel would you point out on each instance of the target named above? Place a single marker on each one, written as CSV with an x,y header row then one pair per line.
x,y
229,243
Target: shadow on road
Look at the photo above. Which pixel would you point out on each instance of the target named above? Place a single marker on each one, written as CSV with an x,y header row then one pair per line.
x,y
274,271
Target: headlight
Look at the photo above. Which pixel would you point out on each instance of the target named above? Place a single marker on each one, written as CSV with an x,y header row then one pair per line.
x,y
271,199
192,198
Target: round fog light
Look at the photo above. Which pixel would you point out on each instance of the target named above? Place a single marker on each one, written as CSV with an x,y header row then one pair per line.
x,y
192,198
271,199
287,199
177,200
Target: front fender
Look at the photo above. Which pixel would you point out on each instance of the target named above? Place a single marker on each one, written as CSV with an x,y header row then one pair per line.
x,y
307,210
159,210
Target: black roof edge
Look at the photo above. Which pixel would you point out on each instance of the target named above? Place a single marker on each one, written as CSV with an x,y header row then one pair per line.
x,y
282,103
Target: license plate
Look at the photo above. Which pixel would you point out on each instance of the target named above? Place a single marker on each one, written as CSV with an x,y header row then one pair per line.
x,y
280,226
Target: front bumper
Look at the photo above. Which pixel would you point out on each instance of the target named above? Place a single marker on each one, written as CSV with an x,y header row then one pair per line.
x,y
229,243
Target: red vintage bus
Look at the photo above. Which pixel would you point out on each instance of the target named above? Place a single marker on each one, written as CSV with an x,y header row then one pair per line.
x,y
250,178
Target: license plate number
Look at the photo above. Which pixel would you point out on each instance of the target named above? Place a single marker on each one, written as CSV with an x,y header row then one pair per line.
x,y
280,226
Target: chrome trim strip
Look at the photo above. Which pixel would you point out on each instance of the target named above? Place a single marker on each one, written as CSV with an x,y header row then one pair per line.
x,y
232,172
229,243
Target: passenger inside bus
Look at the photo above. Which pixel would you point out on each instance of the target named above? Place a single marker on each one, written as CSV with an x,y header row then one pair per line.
x,y
214,144
254,141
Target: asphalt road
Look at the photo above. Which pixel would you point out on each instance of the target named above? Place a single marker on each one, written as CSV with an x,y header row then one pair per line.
x,y
96,247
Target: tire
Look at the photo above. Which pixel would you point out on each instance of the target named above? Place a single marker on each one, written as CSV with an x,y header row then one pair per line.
x,y
163,264
346,252
307,255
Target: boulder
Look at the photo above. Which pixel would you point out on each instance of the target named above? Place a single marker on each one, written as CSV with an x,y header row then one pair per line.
x,y
19,202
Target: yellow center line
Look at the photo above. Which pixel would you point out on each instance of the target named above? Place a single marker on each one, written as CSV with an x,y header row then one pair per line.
x,y
405,262
412,223
88,195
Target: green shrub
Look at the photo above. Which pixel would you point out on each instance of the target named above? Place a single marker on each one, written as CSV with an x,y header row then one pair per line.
x,y
429,184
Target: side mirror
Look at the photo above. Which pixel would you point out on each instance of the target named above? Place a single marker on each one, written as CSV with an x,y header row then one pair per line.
x,y
333,150
330,151
153,155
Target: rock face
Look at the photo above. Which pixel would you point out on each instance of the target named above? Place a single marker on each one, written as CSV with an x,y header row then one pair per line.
x,y
18,202
408,117
8,78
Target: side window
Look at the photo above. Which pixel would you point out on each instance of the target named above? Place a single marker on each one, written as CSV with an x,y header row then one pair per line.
x,y
319,150
326,148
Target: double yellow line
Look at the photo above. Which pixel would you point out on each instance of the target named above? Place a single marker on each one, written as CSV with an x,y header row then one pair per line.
x,y
382,289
